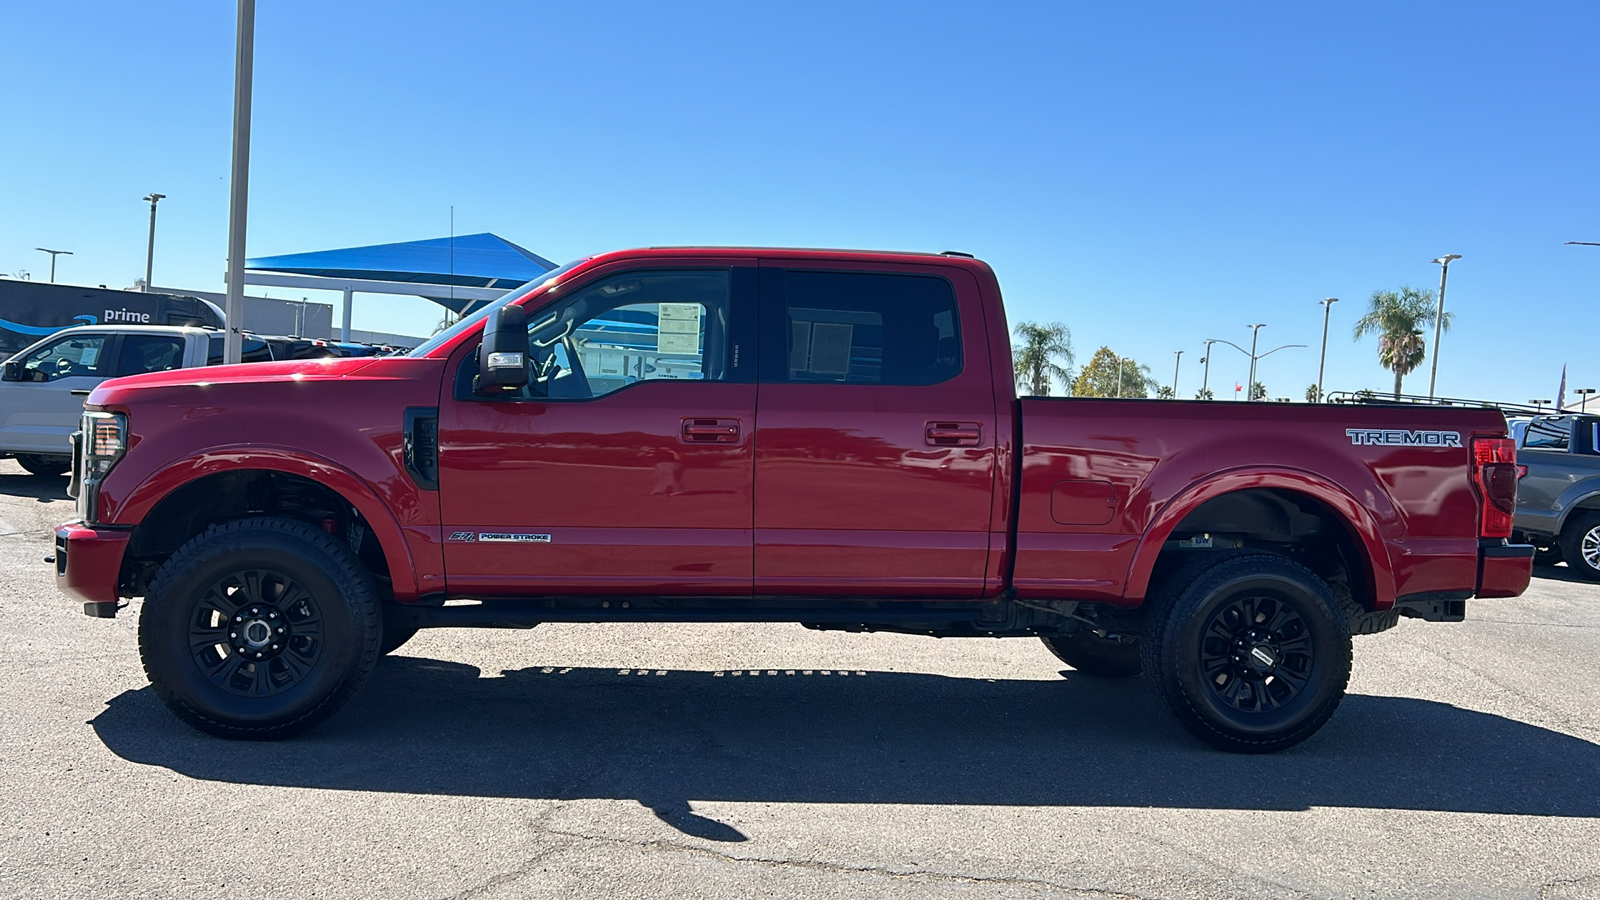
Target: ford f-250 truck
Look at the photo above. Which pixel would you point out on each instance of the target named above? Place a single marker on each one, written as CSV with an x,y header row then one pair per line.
x,y
827,438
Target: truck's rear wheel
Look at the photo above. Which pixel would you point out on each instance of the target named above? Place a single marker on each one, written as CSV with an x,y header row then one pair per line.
x,y
259,629
1252,653
47,466
1580,545
1094,655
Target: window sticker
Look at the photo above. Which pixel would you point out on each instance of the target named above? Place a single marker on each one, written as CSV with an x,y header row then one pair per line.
x,y
91,355
678,329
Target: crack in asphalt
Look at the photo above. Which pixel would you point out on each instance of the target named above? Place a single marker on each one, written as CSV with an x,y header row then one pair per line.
x,y
923,875
1580,881
1555,714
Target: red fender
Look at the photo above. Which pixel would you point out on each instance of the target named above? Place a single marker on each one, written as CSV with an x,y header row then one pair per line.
x,y
217,460
1356,518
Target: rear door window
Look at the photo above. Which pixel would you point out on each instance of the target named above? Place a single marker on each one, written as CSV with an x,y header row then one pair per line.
x,y
1547,435
860,328
142,353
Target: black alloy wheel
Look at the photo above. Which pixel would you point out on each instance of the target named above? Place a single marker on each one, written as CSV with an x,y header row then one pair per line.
x,y
256,632
1250,652
259,628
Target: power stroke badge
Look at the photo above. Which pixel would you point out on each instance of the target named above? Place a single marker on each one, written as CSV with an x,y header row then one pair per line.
x,y
497,537
1362,437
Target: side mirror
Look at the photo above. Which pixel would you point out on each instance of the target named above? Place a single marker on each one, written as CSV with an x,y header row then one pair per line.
x,y
503,355
12,371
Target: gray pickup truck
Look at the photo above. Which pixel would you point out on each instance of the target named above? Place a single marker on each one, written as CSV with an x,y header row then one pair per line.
x,y
1558,497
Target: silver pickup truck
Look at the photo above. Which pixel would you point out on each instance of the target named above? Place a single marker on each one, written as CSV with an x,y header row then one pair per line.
x,y
42,387
1558,497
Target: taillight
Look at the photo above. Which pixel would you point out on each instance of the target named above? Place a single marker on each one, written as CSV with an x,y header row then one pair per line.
x,y
1494,471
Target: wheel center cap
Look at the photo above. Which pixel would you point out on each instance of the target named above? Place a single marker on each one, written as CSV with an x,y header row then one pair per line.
x,y
257,633
1263,657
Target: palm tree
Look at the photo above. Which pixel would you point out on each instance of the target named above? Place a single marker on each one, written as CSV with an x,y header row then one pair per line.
x,y
1398,320
1044,354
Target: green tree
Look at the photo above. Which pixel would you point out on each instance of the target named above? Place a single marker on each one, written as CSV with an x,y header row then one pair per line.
x,y
1398,318
1045,355
1165,392
1204,394
1258,391
1313,395
1110,375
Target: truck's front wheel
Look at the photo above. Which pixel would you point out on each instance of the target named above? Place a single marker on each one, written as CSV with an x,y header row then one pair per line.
x,y
259,629
1252,653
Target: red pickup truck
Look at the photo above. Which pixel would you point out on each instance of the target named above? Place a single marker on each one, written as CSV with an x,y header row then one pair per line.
x,y
822,437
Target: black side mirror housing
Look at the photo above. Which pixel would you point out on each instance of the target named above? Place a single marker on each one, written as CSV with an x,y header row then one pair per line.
x,y
12,371
503,355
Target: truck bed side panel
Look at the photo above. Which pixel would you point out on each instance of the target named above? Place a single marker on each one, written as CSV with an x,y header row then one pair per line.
x,y
1102,480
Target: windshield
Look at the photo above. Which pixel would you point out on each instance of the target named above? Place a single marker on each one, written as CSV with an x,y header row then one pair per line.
x,y
476,318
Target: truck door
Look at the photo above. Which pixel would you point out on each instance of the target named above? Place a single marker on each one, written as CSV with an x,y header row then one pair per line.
x,y
625,467
875,444
42,406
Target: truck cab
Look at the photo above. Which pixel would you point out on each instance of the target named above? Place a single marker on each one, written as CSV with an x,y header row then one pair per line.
x,y
1558,494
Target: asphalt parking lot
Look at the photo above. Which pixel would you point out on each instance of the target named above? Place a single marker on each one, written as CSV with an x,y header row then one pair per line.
x,y
747,760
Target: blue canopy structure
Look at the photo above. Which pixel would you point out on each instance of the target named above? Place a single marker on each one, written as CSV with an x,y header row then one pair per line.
x,y
485,264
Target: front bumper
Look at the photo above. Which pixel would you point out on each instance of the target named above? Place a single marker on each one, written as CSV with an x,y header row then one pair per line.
x,y
89,566
1504,570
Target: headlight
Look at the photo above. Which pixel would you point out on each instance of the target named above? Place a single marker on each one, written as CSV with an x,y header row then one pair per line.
x,y
105,438
101,443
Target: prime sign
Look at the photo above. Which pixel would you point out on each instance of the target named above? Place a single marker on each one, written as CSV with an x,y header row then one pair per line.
x,y
1362,437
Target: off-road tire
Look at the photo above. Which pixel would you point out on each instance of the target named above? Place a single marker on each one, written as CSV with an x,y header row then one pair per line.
x,y
1357,617
1095,655
1582,529
283,555
44,466
1209,608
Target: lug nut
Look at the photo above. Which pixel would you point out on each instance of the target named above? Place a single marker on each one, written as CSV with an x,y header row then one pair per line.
x,y
274,646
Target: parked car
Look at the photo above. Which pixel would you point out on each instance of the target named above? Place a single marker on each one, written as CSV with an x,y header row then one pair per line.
x,y
43,387
1558,497
821,437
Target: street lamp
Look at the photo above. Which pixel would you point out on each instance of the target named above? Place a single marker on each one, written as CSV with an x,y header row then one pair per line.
x,y
1175,366
1250,384
53,255
1538,405
1205,380
1438,321
150,248
1584,393
1327,307
1251,353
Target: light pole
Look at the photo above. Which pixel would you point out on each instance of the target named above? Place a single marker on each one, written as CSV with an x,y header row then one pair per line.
x,y
1438,320
1327,307
1250,386
1205,380
53,255
1251,353
1538,406
150,247
1175,367
239,194
1584,393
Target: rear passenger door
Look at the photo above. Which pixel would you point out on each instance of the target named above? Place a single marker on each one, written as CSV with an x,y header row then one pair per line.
x,y
875,444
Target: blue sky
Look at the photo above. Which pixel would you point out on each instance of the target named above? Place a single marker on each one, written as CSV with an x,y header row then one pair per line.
x,y
1149,174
